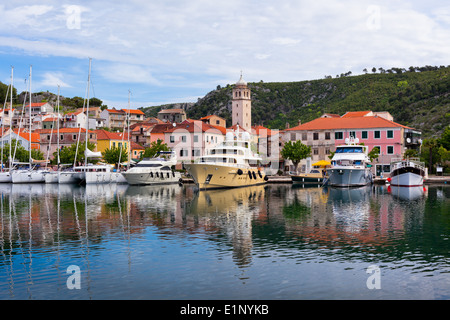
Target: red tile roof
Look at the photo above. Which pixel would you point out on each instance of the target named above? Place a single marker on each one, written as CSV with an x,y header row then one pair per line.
x,y
107,135
161,128
262,131
347,123
193,126
355,114
133,111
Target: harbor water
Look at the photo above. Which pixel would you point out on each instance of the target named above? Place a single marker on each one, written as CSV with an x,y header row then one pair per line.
x,y
276,242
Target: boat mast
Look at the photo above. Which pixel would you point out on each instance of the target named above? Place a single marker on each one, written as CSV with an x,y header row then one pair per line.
x,y
87,113
10,120
29,134
57,133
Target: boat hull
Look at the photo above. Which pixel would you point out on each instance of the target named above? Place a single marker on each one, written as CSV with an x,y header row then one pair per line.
x,y
5,177
407,179
349,177
144,178
28,176
212,176
51,177
307,179
70,177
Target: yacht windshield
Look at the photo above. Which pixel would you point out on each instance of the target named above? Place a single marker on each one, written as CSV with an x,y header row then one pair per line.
x,y
349,150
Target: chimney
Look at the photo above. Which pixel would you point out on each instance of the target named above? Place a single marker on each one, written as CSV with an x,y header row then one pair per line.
x,y
287,125
299,122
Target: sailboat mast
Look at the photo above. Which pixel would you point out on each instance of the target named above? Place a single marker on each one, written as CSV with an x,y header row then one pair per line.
x,y
10,119
87,113
57,134
30,118
128,135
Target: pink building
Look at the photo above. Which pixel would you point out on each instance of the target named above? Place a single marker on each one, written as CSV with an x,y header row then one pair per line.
x,y
324,134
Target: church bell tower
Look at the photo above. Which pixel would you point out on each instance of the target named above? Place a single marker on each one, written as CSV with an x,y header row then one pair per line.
x,y
242,105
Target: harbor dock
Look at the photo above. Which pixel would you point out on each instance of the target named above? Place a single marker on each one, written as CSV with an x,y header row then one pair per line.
x,y
287,179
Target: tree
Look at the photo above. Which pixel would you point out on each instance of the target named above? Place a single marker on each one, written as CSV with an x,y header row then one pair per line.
x,y
155,147
20,153
445,138
373,154
429,152
115,155
67,155
296,152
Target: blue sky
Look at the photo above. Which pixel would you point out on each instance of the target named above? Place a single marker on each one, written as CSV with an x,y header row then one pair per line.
x,y
178,51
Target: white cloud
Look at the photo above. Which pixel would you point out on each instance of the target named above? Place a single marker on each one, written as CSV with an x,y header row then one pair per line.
x,y
196,43
53,80
127,73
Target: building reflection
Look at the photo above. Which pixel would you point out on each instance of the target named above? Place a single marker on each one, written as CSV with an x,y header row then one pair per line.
x,y
48,214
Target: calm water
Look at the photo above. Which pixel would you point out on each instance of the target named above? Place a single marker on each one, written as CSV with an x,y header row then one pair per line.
x,y
267,242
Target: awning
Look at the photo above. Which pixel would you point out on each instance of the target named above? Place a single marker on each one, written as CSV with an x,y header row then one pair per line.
x,y
322,163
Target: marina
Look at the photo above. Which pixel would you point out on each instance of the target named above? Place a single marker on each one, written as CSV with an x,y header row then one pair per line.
x,y
272,241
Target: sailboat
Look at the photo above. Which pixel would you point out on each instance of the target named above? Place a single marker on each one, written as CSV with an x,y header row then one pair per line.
x,y
53,177
5,175
30,175
89,173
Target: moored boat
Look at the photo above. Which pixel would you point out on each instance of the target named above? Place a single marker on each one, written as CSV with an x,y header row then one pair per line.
x,y
153,171
231,164
350,165
314,176
407,172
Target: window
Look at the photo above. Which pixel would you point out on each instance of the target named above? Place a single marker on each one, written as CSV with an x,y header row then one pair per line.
x,y
304,136
390,134
327,151
316,151
378,147
327,136
390,150
364,135
377,134
338,135
315,136
48,137
217,122
195,138
172,139
293,136
74,137
183,138
352,134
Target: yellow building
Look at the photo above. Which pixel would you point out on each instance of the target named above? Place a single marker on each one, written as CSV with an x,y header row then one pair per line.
x,y
109,140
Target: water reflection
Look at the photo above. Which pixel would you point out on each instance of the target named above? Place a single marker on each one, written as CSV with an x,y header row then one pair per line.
x,y
46,227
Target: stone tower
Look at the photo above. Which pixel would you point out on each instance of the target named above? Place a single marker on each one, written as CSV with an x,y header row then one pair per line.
x,y
242,105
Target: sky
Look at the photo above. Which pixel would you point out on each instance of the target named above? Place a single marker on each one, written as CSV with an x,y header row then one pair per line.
x,y
169,51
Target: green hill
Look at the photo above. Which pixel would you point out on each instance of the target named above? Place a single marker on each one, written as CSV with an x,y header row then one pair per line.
x,y
418,97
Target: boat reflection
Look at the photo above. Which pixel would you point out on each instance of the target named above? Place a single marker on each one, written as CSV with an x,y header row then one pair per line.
x,y
407,193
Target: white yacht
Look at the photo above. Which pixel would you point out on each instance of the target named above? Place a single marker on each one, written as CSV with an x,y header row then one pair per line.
x,y
230,164
350,165
407,172
154,171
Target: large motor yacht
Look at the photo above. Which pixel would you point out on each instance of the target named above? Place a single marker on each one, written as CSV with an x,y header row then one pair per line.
x,y
230,164
350,165
154,171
